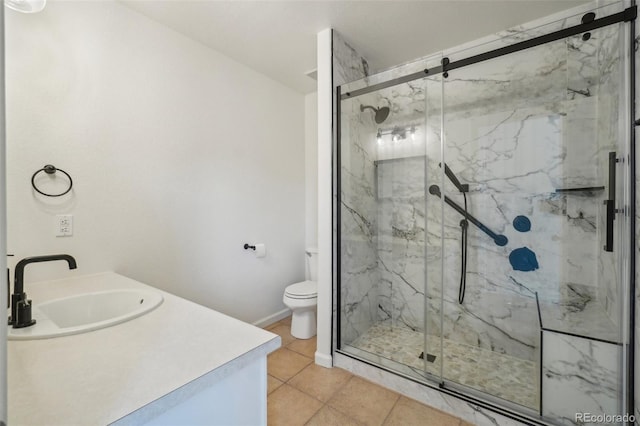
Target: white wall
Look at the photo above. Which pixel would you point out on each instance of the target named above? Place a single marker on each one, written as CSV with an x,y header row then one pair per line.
x,y
311,168
3,229
325,279
179,156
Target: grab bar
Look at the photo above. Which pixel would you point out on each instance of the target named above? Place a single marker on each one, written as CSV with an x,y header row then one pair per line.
x,y
611,203
500,240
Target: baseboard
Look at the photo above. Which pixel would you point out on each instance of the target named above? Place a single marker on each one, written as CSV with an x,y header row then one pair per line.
x,y
324,360
266,321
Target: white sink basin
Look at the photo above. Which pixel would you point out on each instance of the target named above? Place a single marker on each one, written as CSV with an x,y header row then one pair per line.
x,y
86,312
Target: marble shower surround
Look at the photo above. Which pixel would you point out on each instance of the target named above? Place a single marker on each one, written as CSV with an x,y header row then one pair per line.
x,y
572,100
514,155
358,261
587,365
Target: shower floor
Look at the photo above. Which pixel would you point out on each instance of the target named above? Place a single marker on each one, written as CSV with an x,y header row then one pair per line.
x,y
500,375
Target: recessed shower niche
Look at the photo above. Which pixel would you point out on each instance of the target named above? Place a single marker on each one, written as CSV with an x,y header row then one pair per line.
x,y
482,240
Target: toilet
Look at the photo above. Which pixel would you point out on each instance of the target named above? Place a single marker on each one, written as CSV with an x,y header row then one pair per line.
x,y
302,299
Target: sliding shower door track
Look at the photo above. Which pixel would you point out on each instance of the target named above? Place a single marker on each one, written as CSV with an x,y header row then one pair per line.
x,y
627,15
498,406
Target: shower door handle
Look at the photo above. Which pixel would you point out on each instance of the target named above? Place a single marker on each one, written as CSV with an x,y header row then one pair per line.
x,y
611,203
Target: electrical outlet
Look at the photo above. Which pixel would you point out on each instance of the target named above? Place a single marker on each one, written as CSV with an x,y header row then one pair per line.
x,y
64,225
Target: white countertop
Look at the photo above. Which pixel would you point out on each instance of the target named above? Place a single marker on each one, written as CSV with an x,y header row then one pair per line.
x,y
104,375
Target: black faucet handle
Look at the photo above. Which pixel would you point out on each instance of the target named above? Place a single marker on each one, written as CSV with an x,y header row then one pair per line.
x,y
23,315
20,306
15,300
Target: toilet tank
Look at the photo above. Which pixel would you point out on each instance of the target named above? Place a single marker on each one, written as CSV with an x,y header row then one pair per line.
x,y
312,263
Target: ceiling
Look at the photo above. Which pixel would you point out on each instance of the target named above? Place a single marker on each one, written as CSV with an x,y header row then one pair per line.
x,y
278,38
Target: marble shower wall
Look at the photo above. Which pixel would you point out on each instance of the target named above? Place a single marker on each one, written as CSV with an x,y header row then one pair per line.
x,y
358,258
409,242
401,240
580,376
511,153
517,129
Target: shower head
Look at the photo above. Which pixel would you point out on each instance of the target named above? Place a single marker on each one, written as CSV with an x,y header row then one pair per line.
x,y
381,113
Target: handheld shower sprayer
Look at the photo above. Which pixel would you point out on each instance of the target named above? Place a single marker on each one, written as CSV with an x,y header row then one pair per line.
x,y
461,187
464,226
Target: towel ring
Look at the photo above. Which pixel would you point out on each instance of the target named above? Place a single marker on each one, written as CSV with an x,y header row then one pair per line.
x,y
49,169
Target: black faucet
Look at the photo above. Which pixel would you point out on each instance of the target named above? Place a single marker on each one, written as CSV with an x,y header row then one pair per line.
x,y
20,306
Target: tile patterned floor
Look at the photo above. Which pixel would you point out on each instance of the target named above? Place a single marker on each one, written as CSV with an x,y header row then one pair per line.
x,y
302,393
500,375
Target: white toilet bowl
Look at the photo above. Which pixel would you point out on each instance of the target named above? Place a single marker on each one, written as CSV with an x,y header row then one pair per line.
x,y
302,299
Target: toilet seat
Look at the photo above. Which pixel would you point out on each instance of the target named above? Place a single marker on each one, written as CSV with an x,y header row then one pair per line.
x,y
302,290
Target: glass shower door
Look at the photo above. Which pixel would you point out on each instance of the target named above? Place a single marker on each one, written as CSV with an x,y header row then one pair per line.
x,y
529,291
483,221
390,254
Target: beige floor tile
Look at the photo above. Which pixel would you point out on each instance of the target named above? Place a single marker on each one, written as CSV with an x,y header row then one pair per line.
x,y
306,347
364,401
319,382
288,406
272,384
463,423
284,331
409,412
283,364
327,416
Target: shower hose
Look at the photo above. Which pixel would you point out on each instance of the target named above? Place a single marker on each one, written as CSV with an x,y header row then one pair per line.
x,y
464,225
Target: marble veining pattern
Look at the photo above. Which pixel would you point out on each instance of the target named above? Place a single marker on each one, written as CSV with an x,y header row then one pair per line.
x,y
579,376
516,129
514,154
358,259
578,311
348,64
